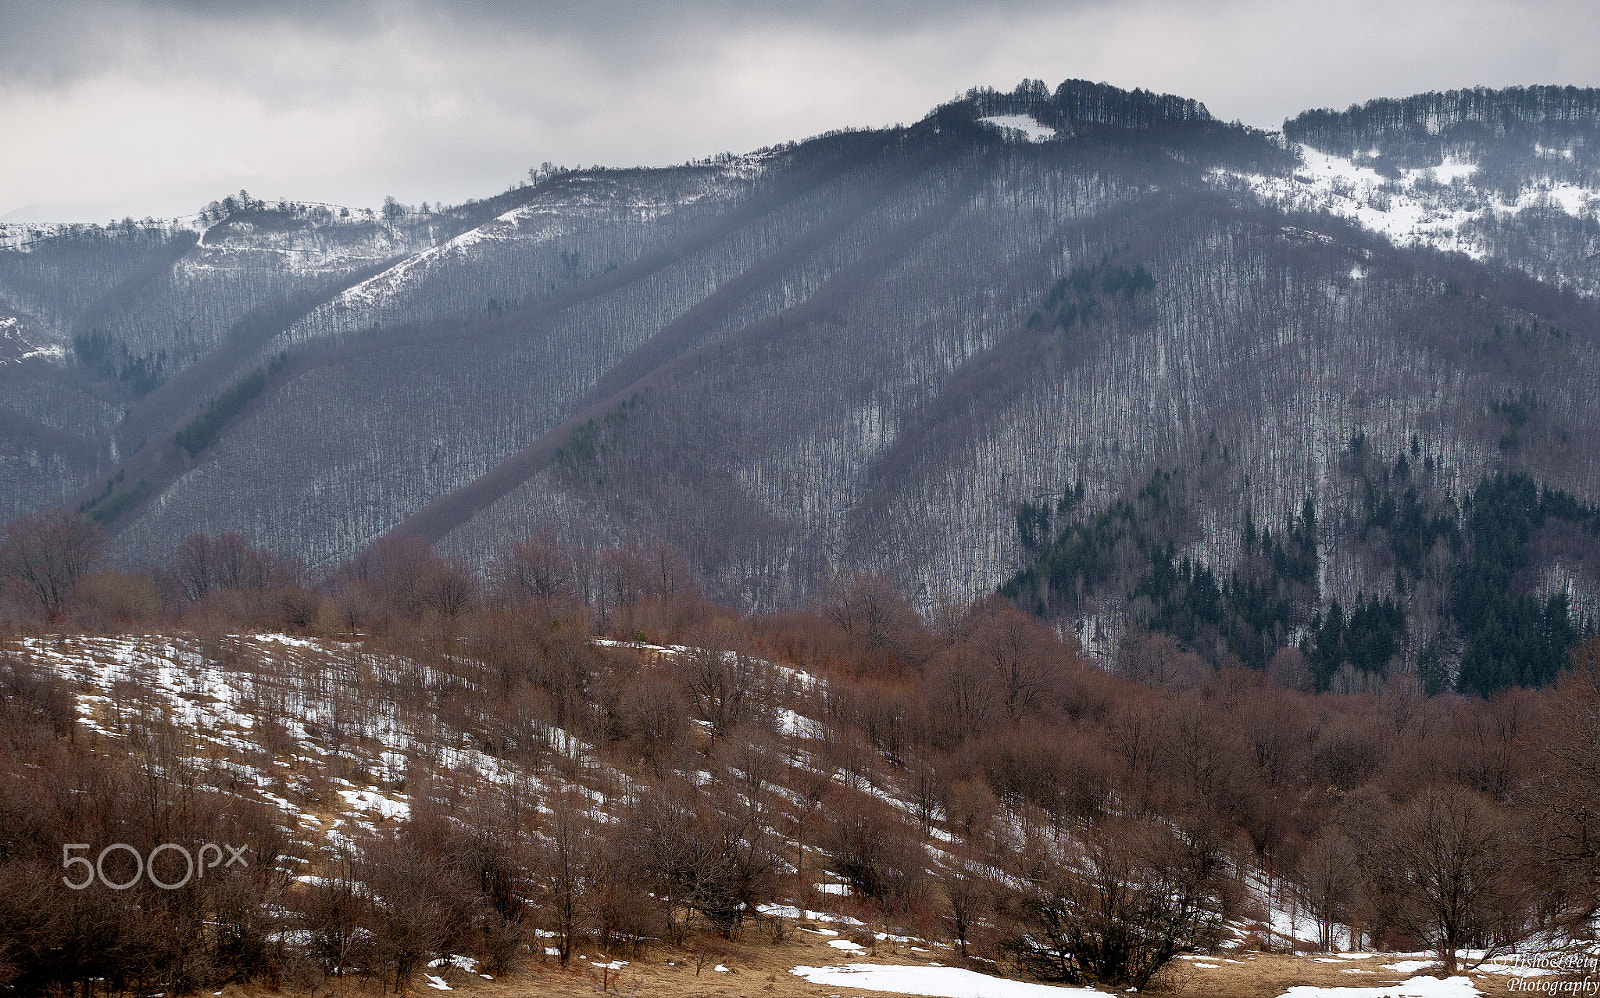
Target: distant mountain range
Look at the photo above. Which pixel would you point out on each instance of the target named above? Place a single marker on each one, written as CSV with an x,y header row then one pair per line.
x,y
935,351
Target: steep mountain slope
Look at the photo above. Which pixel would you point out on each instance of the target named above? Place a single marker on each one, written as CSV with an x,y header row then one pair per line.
x,y
868,350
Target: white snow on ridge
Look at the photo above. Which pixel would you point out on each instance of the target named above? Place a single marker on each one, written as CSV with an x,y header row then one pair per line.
x,y
1023,126
1366,197
1431,206
21,237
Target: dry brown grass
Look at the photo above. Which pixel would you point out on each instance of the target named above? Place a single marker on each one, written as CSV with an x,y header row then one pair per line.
x,y
759,968
1268,975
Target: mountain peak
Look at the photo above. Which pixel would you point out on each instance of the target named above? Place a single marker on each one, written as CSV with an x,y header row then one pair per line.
x,y
1077,105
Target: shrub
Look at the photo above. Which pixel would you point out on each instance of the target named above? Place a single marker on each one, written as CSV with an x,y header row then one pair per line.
x,y
1113,907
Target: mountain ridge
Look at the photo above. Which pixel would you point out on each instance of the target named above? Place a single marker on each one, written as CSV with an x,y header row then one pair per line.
x,y
864,351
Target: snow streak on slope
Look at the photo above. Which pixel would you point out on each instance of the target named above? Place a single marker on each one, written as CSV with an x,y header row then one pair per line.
x,y
408,273
16,348
564,207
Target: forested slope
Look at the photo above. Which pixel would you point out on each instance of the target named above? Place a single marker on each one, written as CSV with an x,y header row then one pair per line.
x,y
883,350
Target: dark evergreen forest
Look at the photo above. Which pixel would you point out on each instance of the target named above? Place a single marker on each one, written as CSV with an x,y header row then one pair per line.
x,y
1504,633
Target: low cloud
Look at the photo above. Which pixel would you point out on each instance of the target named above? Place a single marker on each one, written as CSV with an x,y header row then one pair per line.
x,y
155,108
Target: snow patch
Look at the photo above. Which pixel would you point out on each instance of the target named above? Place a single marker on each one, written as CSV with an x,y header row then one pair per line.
x,y
1023,127
939,982
1451,171
1417,987
1572,199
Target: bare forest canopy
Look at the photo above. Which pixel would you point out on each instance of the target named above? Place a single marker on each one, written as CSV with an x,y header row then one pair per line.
x,y
1163,379
580,754
1511,125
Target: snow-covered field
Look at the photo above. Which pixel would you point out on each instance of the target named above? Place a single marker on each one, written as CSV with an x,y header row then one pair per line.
x,y
940,982
953,982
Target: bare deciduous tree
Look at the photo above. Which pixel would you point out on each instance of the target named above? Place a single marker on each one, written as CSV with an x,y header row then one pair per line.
x,y
49,553
1329,883
538,567
1112,907
1450,864
968,886
868,606
727,688
1565,795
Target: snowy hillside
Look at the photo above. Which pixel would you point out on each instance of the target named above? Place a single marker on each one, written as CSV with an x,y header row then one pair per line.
x,y
1438,207
853,844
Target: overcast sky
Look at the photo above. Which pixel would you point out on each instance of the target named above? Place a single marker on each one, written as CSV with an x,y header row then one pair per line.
x,y
118,107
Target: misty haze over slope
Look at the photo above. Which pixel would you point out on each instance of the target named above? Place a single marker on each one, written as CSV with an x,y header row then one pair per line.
x,y
869,350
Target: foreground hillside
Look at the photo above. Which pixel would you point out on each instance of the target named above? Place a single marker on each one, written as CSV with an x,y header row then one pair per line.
x,y
518,784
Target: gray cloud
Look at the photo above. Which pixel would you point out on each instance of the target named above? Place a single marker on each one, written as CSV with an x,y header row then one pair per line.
x,y
54,41
114,107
